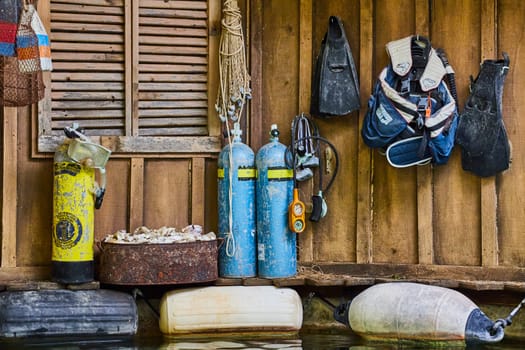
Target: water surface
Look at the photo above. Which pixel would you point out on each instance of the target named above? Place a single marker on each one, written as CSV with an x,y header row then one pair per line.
x,y
301,342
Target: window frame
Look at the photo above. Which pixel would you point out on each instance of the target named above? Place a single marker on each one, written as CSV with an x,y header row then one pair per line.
x,y
131,142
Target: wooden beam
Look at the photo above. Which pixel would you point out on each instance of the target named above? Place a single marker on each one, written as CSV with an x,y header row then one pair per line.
x,y
305,239
364,156
41,123
214,29
152,145
9,185
413,271
33,273
197,199
424,173
131,39
489,198
257,138
136,194
305,61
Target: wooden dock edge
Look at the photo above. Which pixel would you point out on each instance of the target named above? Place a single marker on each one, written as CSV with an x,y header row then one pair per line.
x,y
474,278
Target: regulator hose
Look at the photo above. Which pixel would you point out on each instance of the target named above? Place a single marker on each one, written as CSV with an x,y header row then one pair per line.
x,y
315,136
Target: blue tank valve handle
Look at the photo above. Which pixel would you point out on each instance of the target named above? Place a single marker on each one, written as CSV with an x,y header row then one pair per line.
x,y
274,132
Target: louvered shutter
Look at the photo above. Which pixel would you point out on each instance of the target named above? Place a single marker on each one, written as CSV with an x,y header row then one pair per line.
x,y
173,63
133,72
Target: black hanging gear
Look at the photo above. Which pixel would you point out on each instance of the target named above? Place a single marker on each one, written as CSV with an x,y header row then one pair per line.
x,y
335,85
481,133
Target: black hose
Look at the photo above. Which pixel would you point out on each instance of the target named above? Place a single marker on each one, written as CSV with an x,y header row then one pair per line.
x,y
336,155
314,137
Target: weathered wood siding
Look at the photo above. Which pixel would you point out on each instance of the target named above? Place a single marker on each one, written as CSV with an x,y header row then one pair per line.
x,y
441,217
378,214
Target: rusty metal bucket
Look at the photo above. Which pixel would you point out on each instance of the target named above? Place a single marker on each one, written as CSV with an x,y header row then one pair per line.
x,y
158,264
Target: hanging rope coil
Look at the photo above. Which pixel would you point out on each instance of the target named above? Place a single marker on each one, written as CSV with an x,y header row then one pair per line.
x,y
234,89
234,79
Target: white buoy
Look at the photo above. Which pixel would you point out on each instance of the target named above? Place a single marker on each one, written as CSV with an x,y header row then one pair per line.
x,y
413,311
231,309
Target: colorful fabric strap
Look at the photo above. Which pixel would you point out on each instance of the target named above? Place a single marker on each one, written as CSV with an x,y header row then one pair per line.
x,y
44,47
9,16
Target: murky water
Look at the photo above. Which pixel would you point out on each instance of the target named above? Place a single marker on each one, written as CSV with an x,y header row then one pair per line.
x,y
302,342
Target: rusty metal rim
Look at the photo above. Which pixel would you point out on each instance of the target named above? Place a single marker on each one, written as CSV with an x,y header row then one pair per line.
x,y
101,244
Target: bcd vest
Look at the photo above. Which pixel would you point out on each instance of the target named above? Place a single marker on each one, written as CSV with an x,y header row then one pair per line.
x,y
412,115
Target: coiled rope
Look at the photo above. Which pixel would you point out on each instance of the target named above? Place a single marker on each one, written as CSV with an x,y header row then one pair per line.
x,y
234,89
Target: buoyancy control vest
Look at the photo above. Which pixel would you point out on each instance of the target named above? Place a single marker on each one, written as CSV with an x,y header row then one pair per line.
x,y
412,114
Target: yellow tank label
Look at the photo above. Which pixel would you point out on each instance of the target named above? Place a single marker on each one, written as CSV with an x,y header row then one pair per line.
x,y
279,174
242,173
73,212
246,173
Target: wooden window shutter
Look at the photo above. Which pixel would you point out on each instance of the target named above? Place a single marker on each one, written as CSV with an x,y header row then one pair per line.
x,y
133,73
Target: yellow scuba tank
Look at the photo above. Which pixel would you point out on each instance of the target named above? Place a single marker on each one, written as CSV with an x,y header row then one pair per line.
x,y
75,196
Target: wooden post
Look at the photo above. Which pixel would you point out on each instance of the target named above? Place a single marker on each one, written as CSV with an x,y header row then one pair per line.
x,y
489,199
136,194
214,30
198,176
256,62
364,156
424,173
306,241
9,185
131,75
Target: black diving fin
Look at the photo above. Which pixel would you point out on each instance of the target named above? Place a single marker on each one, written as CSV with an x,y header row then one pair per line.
x,y
481,133
335,85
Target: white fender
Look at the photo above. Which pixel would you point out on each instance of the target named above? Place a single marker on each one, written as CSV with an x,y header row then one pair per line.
x,y
231,309
413,311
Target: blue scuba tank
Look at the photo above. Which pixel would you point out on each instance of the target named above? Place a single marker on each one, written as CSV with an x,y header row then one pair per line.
x,y
236,190
276,244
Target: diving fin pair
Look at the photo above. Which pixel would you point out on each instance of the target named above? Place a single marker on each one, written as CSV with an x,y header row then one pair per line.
x,y
335,85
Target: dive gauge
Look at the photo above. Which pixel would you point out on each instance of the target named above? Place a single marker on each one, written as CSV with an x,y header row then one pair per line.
x,y
296,213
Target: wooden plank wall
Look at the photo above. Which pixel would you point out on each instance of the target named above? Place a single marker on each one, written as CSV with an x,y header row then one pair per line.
x,y
440,217
142,189
432,215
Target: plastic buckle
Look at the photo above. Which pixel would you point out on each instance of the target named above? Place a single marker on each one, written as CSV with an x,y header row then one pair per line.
x,y
405,86
422,104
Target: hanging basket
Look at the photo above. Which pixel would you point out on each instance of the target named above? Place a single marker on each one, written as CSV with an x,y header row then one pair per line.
x,y
17,88
21,74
